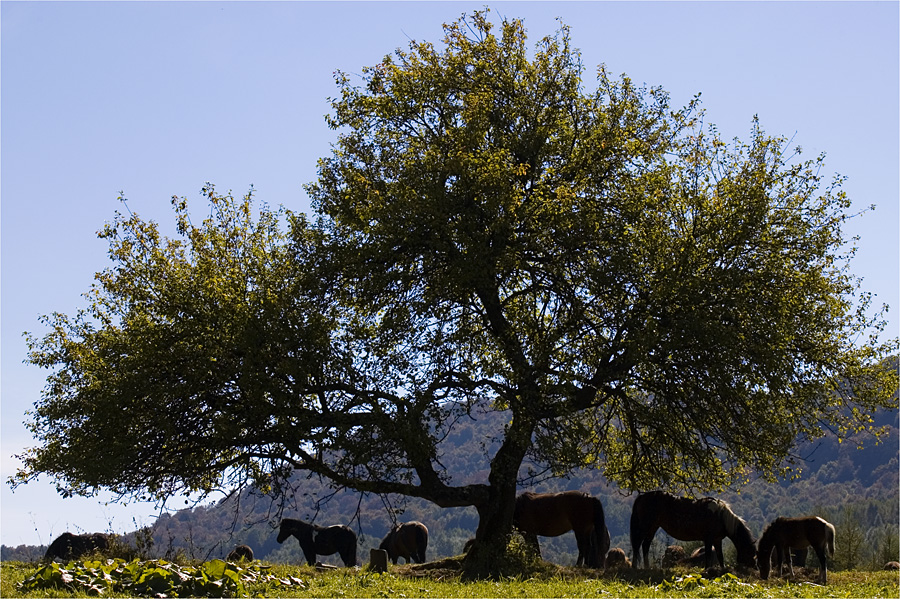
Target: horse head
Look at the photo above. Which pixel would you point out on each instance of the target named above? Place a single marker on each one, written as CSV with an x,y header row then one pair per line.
x,y
289,527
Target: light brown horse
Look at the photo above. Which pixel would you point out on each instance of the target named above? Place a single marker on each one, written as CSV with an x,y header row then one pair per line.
x,y
709,520
554,514
408,540
785,534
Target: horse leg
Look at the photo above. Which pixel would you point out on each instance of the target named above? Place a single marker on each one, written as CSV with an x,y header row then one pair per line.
x,y
637,538
779,556
823,565
585,550
718,547
348,555
309,552
645,548
709,547
640,540
598,545
603,543
635,550
788,554
344,557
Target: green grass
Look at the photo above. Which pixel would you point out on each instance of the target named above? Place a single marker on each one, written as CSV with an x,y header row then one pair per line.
x,y
441,579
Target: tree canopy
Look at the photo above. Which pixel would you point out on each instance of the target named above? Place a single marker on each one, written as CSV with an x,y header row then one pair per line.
x,y
634,293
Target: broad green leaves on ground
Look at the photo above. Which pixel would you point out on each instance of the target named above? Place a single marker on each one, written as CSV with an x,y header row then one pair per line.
x,y
221,579
155,578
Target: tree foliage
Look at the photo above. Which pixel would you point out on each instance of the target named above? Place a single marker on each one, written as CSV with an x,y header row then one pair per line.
x,y
635,293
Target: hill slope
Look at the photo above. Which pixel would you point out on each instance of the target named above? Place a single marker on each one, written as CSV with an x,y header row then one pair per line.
x,y
857,490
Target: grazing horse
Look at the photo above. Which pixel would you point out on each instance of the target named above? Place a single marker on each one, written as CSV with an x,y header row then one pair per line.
x,y
709,520
785,534
72,546
320,540
240,552
408,540
554,514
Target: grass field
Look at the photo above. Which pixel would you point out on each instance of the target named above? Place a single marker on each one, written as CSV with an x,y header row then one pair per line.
x,y
90,578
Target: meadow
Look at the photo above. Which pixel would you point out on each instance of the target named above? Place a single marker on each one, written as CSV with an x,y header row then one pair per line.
x,y
118,578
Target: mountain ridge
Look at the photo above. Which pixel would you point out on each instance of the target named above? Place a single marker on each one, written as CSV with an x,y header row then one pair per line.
x,y
839,482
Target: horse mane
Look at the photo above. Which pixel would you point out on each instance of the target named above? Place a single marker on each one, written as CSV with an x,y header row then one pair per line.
x,y
735,526
767,539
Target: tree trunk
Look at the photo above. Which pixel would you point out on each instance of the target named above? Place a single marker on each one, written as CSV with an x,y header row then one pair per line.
x,y
487,557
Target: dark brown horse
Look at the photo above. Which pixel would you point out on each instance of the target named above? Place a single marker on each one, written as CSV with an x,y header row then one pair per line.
x,y
708,520
785,534
320,540
408,540
240,552
71,546
554,514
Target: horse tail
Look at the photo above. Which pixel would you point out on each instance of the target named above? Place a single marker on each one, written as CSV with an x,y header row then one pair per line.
x,y
764,554
636,529
352,548
829,537
601,534
421,542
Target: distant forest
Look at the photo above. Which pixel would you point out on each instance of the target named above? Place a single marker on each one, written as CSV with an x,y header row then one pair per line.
x,y
856,490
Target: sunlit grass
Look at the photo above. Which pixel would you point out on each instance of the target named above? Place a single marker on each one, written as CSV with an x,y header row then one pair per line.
x,y
415,581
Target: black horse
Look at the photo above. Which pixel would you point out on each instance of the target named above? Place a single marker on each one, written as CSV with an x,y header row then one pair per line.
x,y
71,546
408,540
320,540
709,520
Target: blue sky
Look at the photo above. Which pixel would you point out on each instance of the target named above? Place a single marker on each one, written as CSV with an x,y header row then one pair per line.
x,y
156,98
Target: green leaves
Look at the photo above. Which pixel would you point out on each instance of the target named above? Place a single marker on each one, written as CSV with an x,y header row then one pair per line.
x,y
154,578
196,345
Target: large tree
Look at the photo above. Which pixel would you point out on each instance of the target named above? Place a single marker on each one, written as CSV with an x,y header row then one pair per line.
x,y
635,294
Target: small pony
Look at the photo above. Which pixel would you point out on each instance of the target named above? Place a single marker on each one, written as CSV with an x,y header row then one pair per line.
x,y
408,540
320,540
554,514
709,520
785,534
240,552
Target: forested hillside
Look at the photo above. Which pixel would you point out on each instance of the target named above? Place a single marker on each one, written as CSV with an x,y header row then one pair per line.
x,y
857,490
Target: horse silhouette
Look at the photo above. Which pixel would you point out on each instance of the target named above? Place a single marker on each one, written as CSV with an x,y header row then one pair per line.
x,y
709,520
554,514
408,540
785,534
71,546
320,540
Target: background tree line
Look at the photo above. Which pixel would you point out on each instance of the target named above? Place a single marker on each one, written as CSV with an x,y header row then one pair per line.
x,y
856,490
